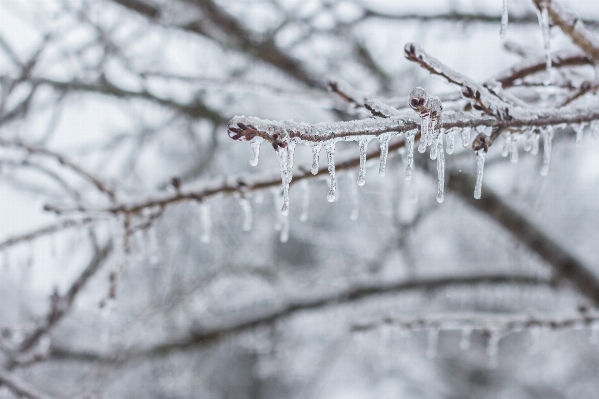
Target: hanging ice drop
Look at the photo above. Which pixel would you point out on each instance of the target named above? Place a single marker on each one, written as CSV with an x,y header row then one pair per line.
x,y
315,157
547,139
579,129
246,207
440,170
330,149
206,222
465,134
480,165
384,142
450,141
255,144
504,20
409,154
363,144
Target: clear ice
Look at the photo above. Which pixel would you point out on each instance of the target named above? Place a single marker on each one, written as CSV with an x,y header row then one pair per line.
x,y
480,165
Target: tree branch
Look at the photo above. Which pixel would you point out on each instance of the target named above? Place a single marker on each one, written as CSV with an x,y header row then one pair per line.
x,y
572,26
565,265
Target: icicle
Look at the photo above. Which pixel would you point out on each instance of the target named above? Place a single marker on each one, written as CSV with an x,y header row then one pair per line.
x,y
514,149
315,157
465,340
594,337
306,200
535,337
579,129
450,141
480,164
505,149
504,19
330,149
384,141
285,155
284,236
595,129
433,341
544,23
409,154
206,222
535,144
256,142
282,225
247,213
547,139
424,124
353,194
493,349
440,169
465,137
528,140
363,144
434,151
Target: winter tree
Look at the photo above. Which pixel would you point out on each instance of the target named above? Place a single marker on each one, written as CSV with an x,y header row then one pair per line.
x,y
299,199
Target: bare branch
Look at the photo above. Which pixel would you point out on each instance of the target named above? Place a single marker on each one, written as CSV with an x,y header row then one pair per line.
x,y
38,150
20,387
53,228
566,265
209,336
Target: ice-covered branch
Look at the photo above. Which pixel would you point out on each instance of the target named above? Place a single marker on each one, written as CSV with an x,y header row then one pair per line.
x,y
353,294
39,150
20,387
490,323
44,231
572,26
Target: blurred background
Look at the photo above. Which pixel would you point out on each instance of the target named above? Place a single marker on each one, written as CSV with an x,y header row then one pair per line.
x,y
104,102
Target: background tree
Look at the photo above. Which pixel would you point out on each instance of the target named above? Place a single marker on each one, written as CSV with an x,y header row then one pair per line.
x,y
144,257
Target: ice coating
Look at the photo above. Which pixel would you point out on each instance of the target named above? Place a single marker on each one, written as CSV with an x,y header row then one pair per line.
x,y
255,143
440,170
504,20
330,149
480,165
384,142
595,129
205,222
547,139
409,154
507,140
363,145
429,108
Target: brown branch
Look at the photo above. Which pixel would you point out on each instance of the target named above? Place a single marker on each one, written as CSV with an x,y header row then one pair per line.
x,y
498,323
572,26
566,265
53,228
37,150
530,67
20,388
61,304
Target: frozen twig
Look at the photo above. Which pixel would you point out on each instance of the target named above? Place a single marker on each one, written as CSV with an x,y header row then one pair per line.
x,y
19,387
38,150
44,231
205,337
